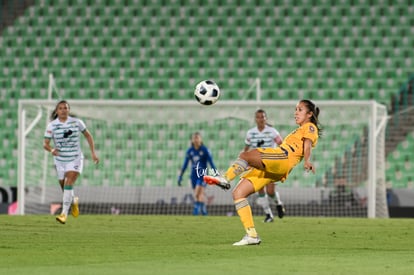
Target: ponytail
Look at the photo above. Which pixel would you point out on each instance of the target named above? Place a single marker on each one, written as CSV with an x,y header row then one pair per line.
x,y
315,113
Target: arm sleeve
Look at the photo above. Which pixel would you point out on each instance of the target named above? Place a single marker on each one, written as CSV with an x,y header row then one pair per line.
x,y
81,125
247,140
185,164
311,132
48,133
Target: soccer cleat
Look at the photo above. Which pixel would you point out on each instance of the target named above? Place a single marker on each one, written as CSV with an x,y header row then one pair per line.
x,y
268,218
217,180
61,218
247,240
280,210
75,207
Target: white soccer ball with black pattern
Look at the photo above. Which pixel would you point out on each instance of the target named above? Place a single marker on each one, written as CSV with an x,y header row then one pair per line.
x,y
207,92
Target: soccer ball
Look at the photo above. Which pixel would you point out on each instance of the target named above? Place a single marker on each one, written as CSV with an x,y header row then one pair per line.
x,y
207,92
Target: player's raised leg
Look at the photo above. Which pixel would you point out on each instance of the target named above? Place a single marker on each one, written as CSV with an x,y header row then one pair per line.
x,y
239,166
245,161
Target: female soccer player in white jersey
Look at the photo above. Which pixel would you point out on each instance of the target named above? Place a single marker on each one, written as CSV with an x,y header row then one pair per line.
x,y
265,136
65,131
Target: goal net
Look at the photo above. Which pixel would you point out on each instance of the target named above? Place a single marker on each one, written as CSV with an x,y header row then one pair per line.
x,y
142,144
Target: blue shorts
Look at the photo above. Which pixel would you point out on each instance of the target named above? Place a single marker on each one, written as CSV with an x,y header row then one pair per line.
x,y
197,181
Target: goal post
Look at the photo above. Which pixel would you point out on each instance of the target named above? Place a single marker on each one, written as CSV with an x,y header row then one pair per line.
x,y
141,146
376,174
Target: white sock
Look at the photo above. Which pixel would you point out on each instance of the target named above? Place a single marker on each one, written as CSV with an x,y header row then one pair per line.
x,y
268,210
277,198
67,200
264,203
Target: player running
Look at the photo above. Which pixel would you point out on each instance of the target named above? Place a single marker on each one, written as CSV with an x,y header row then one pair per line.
x,y
268,165
200,156
65,131
265,136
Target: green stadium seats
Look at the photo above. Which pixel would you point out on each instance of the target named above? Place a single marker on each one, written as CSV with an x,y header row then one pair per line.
x,y
141,50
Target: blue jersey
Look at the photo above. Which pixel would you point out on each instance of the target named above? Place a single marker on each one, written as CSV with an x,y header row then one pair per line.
x,y
199,159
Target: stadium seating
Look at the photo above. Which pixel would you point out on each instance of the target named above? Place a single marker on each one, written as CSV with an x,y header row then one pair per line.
x,y
146,50
400,164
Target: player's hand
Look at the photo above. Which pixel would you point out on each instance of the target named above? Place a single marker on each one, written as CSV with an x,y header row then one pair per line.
x,y
309,167
179,180
95,158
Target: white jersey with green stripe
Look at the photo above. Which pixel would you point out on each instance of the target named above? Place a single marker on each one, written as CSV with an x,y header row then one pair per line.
x,y
66,137
262,139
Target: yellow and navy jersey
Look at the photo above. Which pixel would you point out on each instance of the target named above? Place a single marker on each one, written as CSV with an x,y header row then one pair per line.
x,y
66,137
294,142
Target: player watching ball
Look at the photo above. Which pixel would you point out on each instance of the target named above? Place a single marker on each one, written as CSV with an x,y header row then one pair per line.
x,y
267,165
200,156
65,132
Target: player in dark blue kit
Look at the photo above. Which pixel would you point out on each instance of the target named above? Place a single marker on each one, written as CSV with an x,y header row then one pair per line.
x,y
200,156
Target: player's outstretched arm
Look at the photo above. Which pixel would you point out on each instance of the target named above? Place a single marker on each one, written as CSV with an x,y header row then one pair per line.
x,y
307,154
91,143
183,168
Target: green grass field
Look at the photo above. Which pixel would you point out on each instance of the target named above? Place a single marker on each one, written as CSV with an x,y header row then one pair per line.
x,y
202,245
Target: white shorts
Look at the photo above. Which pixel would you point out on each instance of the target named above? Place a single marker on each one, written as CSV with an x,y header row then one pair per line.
x,y
63,167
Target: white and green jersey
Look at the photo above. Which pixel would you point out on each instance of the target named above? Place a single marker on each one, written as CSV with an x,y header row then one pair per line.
x,y
262,139
66,137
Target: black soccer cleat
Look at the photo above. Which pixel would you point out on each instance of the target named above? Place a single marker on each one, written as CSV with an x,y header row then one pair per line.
x,y
280,210
268,218
224,186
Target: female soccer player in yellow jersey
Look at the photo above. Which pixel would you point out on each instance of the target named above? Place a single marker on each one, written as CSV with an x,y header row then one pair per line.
x,y
265,135
268,165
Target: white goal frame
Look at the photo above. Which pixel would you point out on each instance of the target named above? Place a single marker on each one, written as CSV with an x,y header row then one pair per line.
x,y
377,123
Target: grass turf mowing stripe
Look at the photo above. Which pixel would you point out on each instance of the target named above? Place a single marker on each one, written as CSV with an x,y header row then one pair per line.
x,y
102,244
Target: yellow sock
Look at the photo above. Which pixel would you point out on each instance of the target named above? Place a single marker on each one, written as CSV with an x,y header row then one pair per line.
x,y
245,213
238,167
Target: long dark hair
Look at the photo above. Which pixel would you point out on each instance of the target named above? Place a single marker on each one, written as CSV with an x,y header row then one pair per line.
x,y
54,114
315,113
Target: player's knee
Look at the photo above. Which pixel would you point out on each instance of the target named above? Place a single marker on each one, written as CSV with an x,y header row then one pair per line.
x,y
250,156
71,177
246,155
243,190
236,195
253,159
